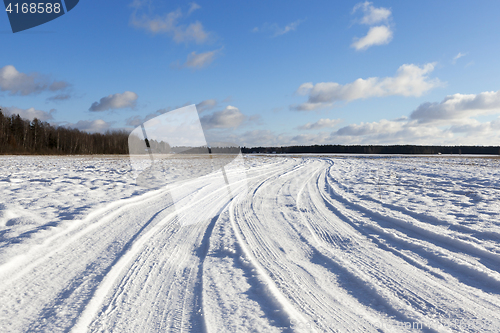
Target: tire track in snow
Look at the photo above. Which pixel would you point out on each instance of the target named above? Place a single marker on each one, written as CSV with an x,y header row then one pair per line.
x,y
45,282
286,305
316,258
334,251
115,272
36,255
253,294
441,287
331,244
292,280
327,248
77,284
464,232
425,242
114,275
474,298
43,273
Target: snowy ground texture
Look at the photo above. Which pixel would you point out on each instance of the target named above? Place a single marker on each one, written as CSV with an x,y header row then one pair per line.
x,y
295,244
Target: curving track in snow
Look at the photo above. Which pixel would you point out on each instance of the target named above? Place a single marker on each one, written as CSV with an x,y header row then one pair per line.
x,y
291,249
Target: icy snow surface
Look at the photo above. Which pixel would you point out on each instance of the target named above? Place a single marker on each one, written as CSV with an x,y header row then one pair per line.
x,y
295,244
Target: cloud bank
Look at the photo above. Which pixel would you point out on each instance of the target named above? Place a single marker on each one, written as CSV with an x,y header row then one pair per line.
x,y
322,123
455,108
449,122
410,80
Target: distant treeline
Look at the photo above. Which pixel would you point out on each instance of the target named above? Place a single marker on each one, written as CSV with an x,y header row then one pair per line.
x,y
358,149
21,136
139,146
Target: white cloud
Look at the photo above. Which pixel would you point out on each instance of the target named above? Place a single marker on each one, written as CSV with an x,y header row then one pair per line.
x,y
372,15
304,88
448,128
276,30
206,105
383,126
192,7
197,61
290,27
322,123
17,83
458,56
457,107
382,132
308,139
30,113
447,123
230,117
476,128
169,24
390,132
267,138
410,80
379,35
116,101
91,126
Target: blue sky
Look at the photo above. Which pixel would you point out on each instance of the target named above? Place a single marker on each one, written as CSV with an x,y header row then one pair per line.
x,y
266,73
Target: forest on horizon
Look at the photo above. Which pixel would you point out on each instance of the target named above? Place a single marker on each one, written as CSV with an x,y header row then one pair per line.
x,y
22,136
35,137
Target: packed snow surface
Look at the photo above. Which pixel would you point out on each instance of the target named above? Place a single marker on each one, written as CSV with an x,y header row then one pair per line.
x,y
266,244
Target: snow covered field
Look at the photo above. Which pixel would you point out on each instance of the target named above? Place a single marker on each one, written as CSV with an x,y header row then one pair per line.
x,y
294,244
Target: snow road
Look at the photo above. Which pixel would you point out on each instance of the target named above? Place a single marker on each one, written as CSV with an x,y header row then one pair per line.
x,y
317,244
